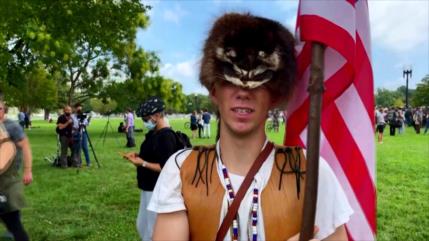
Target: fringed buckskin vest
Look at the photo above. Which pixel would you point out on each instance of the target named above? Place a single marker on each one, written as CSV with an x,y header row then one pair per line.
x,y
281,200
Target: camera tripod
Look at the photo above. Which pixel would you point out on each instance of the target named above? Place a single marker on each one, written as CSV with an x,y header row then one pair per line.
x,y
83,131
105,129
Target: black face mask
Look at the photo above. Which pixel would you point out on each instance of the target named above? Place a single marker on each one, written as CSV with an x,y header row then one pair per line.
x,y
67,114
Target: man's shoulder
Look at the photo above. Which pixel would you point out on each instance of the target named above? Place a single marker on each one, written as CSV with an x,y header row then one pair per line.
x,y
8,123
190,155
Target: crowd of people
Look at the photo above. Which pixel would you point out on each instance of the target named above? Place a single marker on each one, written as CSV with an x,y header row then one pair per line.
x,y
399,118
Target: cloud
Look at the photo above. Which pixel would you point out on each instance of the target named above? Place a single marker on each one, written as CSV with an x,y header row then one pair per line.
x,y
185,72
399,25
174,15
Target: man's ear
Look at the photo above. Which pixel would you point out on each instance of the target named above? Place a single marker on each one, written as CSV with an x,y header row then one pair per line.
x,y
212,94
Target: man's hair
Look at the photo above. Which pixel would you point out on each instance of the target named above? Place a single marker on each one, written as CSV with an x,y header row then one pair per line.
x,y
77,105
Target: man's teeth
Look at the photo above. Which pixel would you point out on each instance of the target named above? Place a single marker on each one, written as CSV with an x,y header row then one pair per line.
x,y
242,110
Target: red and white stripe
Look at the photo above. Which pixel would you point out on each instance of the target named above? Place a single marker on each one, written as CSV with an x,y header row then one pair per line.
x,y
347,124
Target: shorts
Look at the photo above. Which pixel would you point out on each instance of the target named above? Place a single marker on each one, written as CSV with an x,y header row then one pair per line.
x,y
380,128
194,127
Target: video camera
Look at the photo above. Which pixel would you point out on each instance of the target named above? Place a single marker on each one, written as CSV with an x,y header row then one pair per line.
x,y
81,117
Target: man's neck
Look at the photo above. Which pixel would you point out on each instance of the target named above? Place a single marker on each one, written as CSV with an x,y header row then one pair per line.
x,y
238,154
161,124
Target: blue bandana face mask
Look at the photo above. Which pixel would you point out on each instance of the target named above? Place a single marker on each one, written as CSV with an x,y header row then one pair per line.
x,y
149,124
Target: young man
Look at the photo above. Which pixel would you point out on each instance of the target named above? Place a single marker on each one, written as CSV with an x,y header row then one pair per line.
x,y
159,144
249,68
11,191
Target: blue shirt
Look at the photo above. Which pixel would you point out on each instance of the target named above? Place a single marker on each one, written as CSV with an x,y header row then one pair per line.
x,y
206,118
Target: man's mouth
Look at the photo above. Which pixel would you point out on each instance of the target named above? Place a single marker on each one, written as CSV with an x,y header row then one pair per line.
x,y
242,110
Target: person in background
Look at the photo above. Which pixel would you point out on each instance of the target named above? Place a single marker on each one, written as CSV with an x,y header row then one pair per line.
x,y
11,190
426,114
27,120
194,124
129,128
121,127
160,142
83,123
77,138
408,117
418,120
200,123
380,124
276,123
21,118
206,119
64,130
400,121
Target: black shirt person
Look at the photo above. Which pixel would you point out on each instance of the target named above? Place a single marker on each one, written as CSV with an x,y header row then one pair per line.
x,y
64,130
159,144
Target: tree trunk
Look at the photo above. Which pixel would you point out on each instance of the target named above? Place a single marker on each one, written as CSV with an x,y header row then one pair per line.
x,y
46,115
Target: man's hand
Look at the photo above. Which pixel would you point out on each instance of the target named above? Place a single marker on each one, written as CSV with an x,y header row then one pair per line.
x,y
28,177
133,158
296,236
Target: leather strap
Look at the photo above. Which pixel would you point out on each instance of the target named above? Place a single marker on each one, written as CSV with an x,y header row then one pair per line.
x,y
4,140
232,210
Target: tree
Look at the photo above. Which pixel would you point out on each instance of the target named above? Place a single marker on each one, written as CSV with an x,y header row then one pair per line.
x,y
38,90
385,97
421,95
198,102
132,92
105,107
84,41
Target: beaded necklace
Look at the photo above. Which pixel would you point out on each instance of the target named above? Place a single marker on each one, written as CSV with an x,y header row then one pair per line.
x,y
253,212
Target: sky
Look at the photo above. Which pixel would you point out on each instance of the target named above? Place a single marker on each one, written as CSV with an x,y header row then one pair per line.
x,y
177,31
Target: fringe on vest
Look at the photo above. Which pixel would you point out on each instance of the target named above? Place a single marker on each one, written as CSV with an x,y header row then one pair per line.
x,y
204,167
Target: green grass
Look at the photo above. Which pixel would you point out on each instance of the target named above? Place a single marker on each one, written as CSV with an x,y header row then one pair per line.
x,y
403,186
101,203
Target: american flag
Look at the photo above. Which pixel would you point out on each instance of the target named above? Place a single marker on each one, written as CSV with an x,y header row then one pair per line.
x,y
347,121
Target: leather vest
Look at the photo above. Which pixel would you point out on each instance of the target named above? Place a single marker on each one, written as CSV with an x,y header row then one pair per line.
x,y
281,200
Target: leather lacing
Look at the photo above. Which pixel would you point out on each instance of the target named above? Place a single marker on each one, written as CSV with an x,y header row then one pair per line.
x,y
292,158
203,173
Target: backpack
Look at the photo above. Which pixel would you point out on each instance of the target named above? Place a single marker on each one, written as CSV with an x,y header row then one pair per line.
x,y
182,139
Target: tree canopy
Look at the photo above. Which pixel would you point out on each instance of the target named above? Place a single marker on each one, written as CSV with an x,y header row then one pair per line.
x,y
81,44
421,95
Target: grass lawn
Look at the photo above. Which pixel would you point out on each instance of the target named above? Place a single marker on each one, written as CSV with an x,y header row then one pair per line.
x,y
101,203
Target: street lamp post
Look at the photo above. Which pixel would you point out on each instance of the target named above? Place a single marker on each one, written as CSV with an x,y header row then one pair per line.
x,y
407,71
196,101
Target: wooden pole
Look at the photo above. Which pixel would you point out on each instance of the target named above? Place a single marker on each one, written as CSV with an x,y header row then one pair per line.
x,y
315,89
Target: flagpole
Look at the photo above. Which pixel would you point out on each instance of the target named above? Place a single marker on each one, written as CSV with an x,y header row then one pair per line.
x,y
315,89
